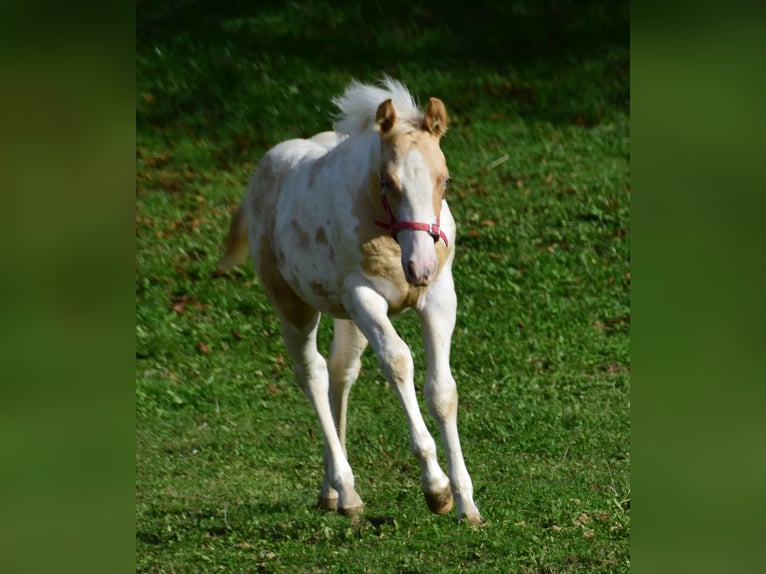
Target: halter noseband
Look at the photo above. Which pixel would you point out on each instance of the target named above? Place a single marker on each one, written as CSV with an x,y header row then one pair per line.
x,y
393,225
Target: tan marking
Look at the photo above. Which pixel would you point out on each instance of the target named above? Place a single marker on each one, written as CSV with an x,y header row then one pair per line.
x,y
435,120
400,369
442,253
385,117
444,408
321,236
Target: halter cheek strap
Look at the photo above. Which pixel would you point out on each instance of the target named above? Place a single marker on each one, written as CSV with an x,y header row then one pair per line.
x,y
393,225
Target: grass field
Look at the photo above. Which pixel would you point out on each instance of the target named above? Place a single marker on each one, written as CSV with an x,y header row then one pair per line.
x,y
228,450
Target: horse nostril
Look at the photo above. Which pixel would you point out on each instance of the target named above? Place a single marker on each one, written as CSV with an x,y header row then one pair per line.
x,y
420,275
411,268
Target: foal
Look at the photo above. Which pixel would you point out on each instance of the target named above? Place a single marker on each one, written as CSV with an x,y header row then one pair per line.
x,y
354,224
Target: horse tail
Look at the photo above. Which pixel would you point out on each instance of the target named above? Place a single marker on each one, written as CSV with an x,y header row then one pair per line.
x,y
235,246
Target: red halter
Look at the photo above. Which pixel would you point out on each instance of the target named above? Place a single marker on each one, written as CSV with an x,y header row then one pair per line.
x,y
434,229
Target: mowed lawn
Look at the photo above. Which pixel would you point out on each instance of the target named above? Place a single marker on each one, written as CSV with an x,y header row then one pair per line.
x,y
228,450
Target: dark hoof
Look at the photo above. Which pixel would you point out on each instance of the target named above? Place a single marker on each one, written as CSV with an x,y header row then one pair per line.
x,y
440,502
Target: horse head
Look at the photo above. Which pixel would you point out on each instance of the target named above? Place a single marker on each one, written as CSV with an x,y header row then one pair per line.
x,y
413,180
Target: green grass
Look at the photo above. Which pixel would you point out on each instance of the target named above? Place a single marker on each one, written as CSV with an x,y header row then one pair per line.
x,y
228,451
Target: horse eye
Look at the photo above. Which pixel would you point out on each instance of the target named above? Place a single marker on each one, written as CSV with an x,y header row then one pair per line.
x,y
446,182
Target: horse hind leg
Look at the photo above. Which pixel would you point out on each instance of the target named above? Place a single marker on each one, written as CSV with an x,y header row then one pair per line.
x,y
299,329
344,366
312,376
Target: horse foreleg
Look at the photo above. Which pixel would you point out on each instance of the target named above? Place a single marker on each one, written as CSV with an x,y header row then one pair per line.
x,y
312,376
369,311
437,316
347,347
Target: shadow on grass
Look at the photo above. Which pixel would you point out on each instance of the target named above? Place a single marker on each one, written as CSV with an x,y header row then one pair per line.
x,y
220,66
346,32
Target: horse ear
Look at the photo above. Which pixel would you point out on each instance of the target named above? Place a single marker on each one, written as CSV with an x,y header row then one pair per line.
x,y
435,120
385,117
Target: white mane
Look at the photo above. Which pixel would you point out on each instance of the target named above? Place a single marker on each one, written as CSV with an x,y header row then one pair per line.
x,y
359,103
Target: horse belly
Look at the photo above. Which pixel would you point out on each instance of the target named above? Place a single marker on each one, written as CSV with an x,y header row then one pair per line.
x,y
311,271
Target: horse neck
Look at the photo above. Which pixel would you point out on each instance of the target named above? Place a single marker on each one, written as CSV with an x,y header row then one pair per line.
x,y
360,154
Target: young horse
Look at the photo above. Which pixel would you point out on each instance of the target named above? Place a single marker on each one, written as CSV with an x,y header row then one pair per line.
x,y
354,224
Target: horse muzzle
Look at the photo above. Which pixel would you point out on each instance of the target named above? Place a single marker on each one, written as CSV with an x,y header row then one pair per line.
x,y
420,273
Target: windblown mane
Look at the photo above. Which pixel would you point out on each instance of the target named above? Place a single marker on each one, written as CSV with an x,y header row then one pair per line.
x,y
359,103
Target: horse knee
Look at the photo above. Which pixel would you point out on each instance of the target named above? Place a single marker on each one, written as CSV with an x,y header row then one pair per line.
x,y
441,399
398,365
342,372
402,368
312,376
423,446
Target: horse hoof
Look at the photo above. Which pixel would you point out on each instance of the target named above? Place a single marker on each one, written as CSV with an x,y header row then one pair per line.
x,y
475,521
327,503
439,502
351,511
